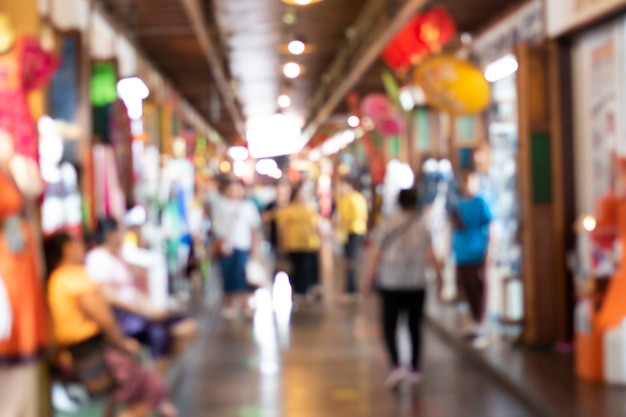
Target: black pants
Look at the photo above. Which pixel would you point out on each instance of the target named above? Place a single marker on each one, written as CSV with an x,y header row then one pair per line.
x,y
472,287
393,304
304,271
352,249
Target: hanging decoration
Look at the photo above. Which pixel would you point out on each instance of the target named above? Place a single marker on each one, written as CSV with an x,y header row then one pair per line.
x,y
424,34
377,107
391,87
453,85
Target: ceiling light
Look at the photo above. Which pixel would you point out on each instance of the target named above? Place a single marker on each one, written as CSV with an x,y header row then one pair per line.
x,y
224,166
589,223
284,101
292,70
238,153
502,68
276,174
301,2
354,121
266,166
296,47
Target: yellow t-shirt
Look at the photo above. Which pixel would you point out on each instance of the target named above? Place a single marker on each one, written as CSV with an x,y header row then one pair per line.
x,y
298,225
69,323
353,213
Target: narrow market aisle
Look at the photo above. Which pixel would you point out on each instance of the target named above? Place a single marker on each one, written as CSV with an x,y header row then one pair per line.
x,y
324,361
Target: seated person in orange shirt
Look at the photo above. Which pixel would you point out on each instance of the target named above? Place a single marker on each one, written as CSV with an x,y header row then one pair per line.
x,y
83,324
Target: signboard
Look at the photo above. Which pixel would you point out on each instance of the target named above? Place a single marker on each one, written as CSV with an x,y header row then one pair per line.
x,y
565,15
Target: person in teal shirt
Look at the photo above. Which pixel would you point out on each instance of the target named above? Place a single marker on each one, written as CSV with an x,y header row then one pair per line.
x,y
471,218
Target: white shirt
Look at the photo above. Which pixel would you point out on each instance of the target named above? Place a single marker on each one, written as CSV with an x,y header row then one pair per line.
x,y
234,221
104,268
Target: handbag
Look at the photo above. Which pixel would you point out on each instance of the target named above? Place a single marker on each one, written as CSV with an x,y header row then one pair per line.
x,y
220,248
256,274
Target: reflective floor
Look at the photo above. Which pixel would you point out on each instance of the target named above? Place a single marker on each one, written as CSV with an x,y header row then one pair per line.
x,y
325,361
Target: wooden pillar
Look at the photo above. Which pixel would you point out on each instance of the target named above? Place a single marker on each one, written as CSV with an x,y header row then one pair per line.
x,y
543,258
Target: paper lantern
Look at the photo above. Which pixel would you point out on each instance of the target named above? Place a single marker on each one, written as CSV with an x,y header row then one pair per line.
x,y
436,28
405,47
423,34
392,127
377,107
453,85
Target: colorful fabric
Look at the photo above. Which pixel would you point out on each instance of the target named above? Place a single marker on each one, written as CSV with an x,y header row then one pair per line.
x,y
69,324
24,68
103,84
28,336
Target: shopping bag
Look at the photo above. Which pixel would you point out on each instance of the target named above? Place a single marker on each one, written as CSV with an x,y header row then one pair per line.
x,y
256,274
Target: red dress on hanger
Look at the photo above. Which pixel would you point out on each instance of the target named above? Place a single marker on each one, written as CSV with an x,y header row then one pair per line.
x,y
18,271
23,68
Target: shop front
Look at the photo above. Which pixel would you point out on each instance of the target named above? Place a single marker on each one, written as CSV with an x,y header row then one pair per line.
x,y
592,37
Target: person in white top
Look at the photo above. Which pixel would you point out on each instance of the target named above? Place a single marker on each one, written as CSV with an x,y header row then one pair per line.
x,y
235,221
163,332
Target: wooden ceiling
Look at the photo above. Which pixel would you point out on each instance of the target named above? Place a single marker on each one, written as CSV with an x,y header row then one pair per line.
x,y
246,38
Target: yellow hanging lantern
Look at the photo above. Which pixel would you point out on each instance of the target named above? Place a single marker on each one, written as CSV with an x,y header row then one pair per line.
x,y
453,85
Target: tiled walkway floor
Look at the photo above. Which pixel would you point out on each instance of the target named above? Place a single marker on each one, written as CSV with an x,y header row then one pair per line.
x,y
324,362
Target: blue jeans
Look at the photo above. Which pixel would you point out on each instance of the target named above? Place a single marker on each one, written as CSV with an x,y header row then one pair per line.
x,y
234,272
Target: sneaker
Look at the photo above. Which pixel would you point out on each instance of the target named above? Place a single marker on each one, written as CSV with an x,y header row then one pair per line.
x,y
395,378
230,313
413,377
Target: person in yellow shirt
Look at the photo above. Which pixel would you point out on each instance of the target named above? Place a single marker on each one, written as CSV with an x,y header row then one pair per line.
x,y
299,237
352,217
83,324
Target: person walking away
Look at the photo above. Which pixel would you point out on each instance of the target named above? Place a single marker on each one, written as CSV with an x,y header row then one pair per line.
x,y
399,255
83,324
269,214
352,223
164,332
298,225
236,221
471,218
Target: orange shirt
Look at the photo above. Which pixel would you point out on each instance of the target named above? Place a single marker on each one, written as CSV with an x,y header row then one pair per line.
x,y
69,324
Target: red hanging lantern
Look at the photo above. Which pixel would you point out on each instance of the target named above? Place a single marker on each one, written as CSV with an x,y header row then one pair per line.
x,y
423,34
405,46
436,29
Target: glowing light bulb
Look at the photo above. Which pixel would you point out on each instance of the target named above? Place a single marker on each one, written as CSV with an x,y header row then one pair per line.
x,y
296,47
284,101
292,70
589,223
354,121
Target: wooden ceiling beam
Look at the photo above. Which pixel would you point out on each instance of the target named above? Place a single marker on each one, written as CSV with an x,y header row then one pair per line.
x,y
362,64
163,31
195,14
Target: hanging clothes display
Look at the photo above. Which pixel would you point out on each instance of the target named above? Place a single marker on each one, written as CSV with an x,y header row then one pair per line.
x,y
109,197
18,271
23,68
